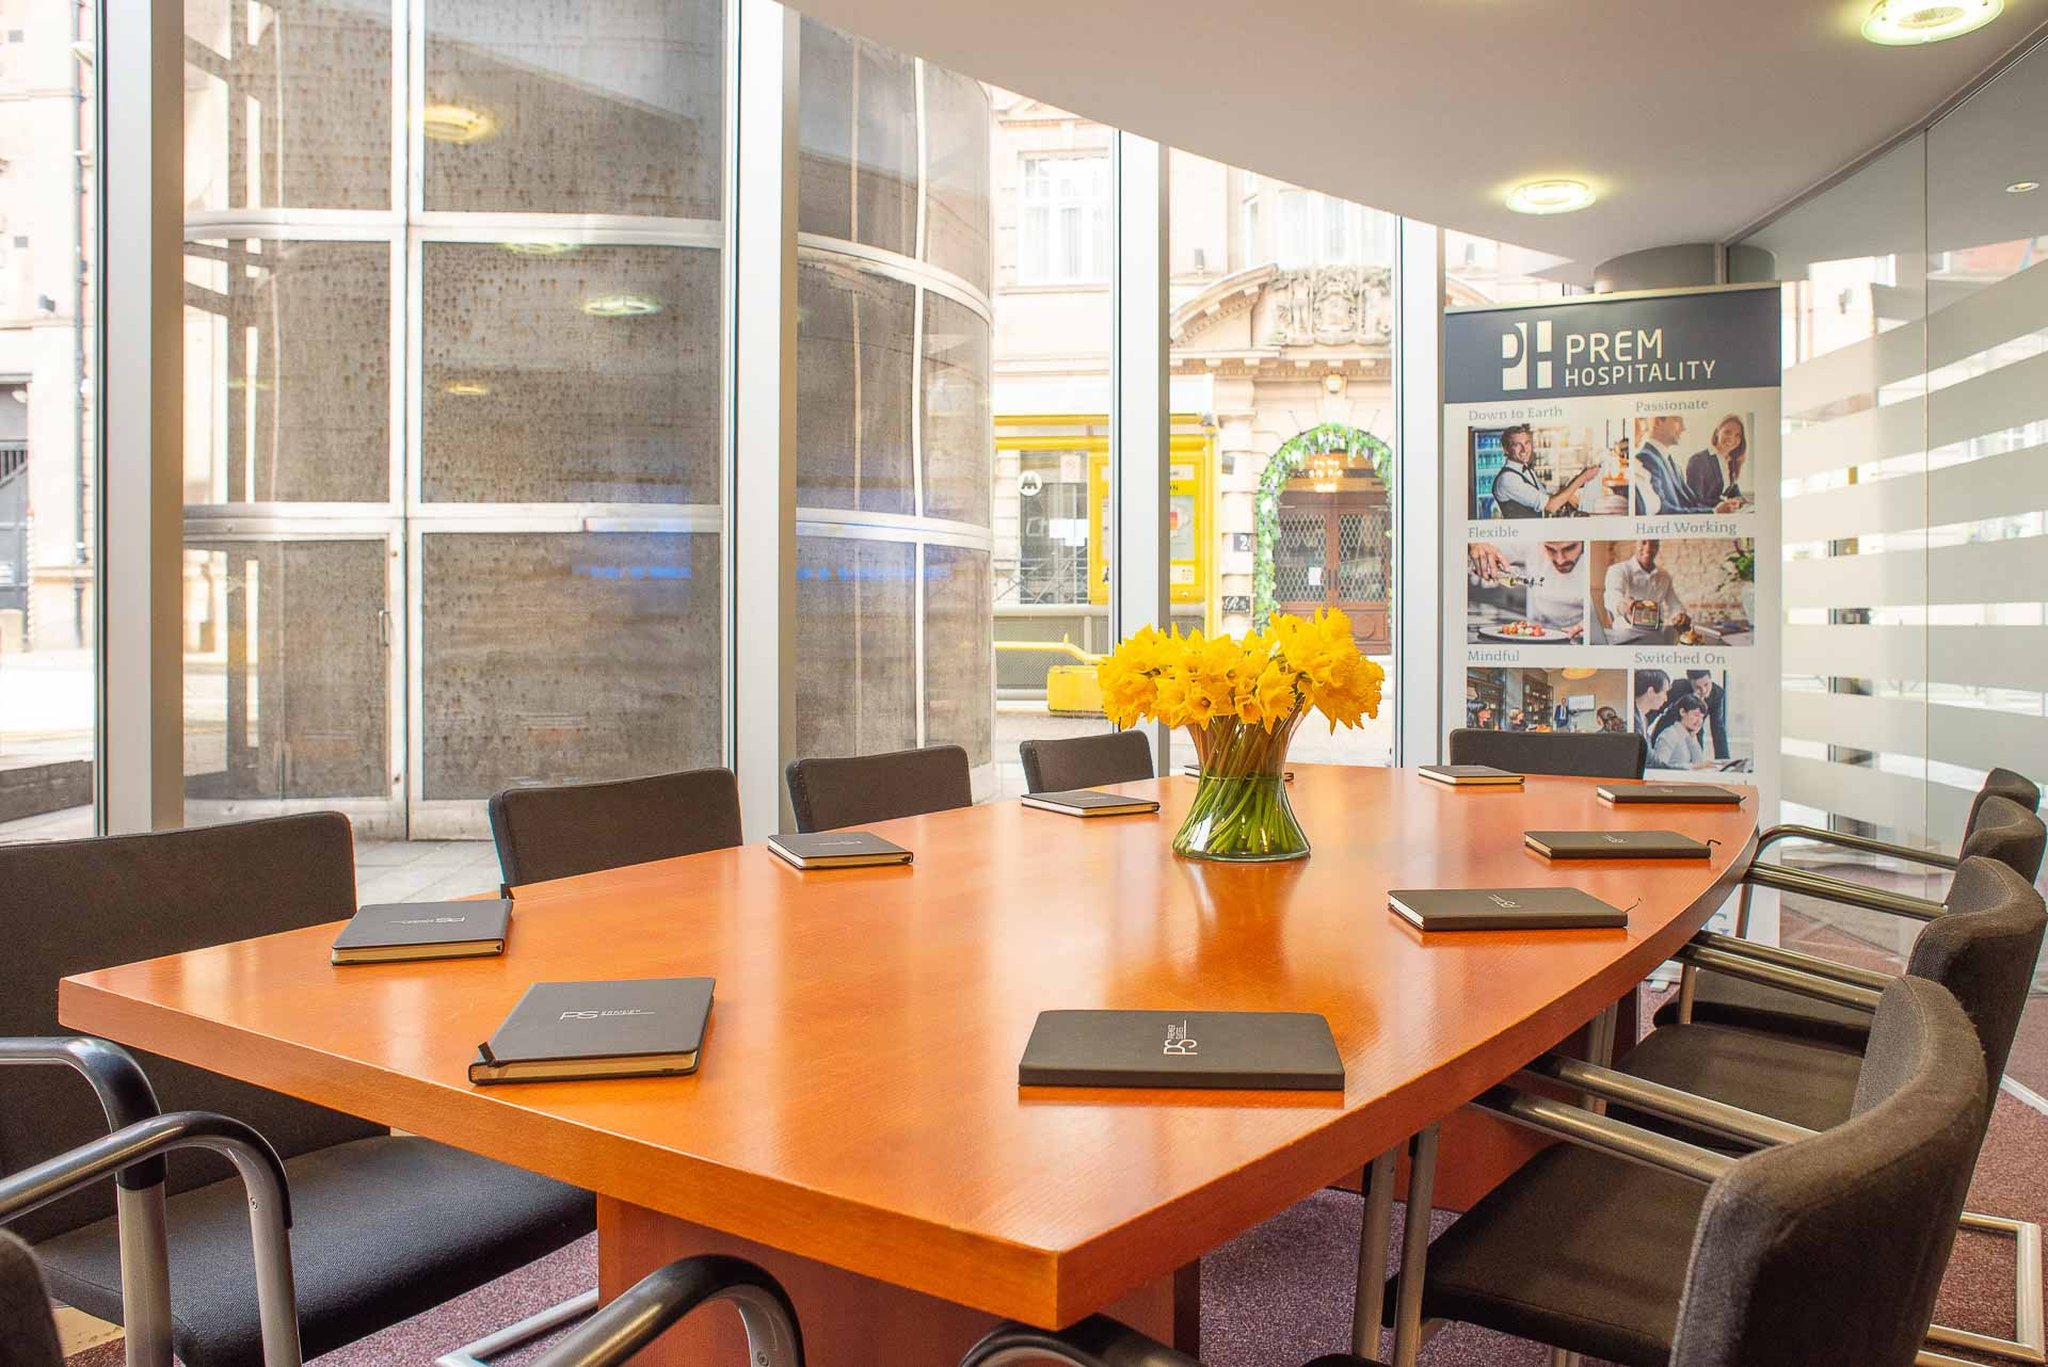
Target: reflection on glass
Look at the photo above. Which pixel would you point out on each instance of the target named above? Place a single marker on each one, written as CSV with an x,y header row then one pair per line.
x,y
589,375
287,105
567,657
558,106
959,650
287,681
855,348
287,372
956,422
856,613
857,176
957,207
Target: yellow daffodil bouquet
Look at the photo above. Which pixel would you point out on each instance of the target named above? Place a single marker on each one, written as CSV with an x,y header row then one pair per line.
x,y
1240,700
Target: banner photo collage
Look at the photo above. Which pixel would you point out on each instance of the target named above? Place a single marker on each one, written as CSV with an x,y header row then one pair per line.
x,y
1612,510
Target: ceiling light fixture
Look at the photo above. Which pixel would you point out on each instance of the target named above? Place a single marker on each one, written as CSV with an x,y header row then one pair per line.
x,y
539,247
456,123
621,306
466,389
1550,196
1908,23
1334,383
2023,187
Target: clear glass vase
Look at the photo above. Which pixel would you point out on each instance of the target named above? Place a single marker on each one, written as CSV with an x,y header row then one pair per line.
x,y
1240,812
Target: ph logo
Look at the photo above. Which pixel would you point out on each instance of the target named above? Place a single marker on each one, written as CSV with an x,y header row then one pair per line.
x,y
1178,1041
1514,356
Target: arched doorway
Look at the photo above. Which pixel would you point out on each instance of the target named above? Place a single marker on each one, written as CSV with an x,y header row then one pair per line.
x,y
1324,532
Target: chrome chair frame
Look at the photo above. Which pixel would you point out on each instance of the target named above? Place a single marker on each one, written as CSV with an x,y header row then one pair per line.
x,y
1858,989
612,1336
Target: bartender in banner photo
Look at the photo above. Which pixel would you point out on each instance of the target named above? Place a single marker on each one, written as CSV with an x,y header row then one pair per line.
x,y
1641,602
1518,492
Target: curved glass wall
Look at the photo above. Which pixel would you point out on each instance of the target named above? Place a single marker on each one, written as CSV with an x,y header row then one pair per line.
x,y
454,470
893,427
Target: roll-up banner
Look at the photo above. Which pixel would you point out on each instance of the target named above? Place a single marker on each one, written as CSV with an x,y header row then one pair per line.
x,y
1612,538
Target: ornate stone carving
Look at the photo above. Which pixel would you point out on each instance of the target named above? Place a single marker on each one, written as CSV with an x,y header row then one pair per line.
x,y
1332,306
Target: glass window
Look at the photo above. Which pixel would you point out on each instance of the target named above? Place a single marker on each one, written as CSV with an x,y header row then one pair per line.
x,y
959,651
567,657
1064,228
957,209
856,613
956,417
287,371
856,348
287,105
582,375
857,178
49,397
611,108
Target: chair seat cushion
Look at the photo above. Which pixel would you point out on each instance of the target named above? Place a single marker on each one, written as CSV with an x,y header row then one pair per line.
x,y
1804,1081
1576,1250
1721,1000
382,1229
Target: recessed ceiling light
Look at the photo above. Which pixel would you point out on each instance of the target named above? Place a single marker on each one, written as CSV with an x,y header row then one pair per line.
x,y
1905,23
1550,196
621,306
539,248
466,389
456,123
2021,187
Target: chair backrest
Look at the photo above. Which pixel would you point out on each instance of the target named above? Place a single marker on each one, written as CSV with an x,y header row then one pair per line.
x,y
28,1333
827,794
2008,785
1058,766
1828,1252
572,828
74,905
1983,950
1581,754
2002,829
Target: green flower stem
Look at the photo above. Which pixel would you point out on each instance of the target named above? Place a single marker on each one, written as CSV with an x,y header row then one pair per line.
x,y
1241,810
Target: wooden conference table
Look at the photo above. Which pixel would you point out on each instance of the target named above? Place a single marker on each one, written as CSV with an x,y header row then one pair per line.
x,y
857,1125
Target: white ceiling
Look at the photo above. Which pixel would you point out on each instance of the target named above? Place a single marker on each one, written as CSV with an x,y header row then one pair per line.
x,y
1691,119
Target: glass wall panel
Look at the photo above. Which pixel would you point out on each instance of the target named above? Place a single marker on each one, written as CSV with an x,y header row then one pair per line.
x,y
856,614
858,176
572,108
287,680
566,657
1053,203
288,371
856,352
588,375
957,223
1284,461
959,654
287,105
956,417
49,533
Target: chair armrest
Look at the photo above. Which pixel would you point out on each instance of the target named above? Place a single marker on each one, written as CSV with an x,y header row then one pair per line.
x,y
116,1078
1793,959
147,1141
1669,1103
1604,1134
1097,1341
1754,970
1840,890
613,1335
1861,843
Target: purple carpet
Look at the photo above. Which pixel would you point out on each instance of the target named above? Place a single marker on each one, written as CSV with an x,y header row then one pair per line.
x,y
1281,1293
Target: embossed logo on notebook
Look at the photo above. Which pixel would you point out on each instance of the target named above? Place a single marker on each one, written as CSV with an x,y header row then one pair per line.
x,y
1178,1041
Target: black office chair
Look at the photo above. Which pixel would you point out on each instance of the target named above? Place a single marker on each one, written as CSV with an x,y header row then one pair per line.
x,y
854,790
1822,1250
134,1156
2000,830
1578,754
394,1225
566,829
1059,766
1814,1253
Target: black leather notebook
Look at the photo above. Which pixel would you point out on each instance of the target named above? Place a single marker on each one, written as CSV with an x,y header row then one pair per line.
x,y
1668,794
1269,1050
389,932
1088,802
1615,845
1471,775
1502,909
836,850
630,1027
